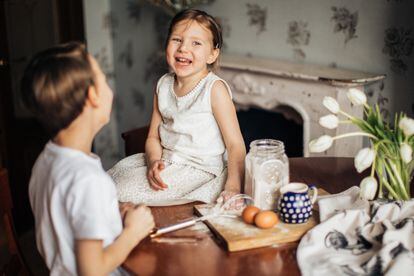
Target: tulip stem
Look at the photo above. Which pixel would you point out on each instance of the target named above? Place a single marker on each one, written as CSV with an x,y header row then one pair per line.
x,y
379,173
399,180
390,189
354,134
374,163
346,114
396,181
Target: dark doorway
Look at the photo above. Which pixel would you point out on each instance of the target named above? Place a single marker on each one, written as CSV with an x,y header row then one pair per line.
x,y
260,124
27,27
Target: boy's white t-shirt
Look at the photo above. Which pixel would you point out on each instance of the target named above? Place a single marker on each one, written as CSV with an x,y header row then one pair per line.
x,y
72,198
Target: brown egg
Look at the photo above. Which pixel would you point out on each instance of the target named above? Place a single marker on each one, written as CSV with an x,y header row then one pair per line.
x,y
249,213
266,219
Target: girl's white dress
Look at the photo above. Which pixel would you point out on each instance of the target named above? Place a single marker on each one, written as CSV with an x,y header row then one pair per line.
x,y
193,150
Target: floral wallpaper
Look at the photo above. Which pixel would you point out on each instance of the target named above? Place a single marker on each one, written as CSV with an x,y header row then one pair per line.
x,y
257,16
100,29
374,36
398,46
134,10
298,36
345,22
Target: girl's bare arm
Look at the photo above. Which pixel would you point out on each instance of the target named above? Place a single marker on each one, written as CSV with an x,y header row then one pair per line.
x,y
225,115
153,148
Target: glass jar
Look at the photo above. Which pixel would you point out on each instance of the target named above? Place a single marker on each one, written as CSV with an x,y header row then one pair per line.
x,y
267,169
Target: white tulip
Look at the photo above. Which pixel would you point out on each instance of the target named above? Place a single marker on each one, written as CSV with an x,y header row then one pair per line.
x,y
329,121
321,144
368,187
407,126
356,96
331,104
364,159
406,152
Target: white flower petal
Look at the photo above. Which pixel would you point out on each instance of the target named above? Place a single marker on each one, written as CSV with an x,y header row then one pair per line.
x,y
406,152
321,144
331,104
368,187
356,96
329,121
407,126
364,159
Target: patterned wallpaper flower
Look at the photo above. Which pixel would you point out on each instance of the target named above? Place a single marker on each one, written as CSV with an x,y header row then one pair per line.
x,y
138,98
110,23
257,16
102,58
345,22
399,44
126,56
134,10
298,36
383,101
156,66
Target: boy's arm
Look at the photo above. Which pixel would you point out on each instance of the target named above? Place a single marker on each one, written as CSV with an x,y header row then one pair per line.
x,y
225,115
93,259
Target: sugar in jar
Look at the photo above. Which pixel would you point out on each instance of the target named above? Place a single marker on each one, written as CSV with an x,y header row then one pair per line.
x,y
267,169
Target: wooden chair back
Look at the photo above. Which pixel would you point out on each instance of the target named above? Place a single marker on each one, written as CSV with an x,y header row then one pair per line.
x,y
16,264
135,140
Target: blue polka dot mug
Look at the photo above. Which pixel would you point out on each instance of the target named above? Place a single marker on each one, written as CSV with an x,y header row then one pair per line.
x,y
295,205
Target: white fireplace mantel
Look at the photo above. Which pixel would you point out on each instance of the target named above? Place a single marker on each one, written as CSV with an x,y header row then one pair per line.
x,y
271,84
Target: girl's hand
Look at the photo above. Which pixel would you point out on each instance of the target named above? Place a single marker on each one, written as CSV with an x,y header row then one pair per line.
x,y
140,221
124,207
226,195
153,175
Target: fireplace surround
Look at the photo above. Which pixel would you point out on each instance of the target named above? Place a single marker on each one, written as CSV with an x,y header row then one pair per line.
x,y
280,86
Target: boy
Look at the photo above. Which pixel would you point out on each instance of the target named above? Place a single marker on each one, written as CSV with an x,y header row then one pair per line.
x,y
78,223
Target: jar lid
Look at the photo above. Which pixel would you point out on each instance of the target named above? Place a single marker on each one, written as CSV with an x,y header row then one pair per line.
x,y
268,145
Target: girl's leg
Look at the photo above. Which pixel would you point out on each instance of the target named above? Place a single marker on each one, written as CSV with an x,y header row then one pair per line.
x,y
185,183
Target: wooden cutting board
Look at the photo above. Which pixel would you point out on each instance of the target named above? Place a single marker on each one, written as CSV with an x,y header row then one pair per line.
x,y
238,235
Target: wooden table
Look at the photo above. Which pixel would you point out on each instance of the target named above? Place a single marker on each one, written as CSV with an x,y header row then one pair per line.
x,y
207,257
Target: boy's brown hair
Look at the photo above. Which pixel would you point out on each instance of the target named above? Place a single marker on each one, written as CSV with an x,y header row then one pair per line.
x,y
55,85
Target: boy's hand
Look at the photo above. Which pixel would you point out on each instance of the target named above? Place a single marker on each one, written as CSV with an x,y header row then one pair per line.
x,y
124,207
140,221
153,175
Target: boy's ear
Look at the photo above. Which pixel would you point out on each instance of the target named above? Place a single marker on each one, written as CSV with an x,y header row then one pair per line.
x,y
213,56
93,97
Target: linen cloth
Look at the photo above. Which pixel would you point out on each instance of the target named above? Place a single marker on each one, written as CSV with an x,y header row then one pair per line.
x,y
193,150
356,237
